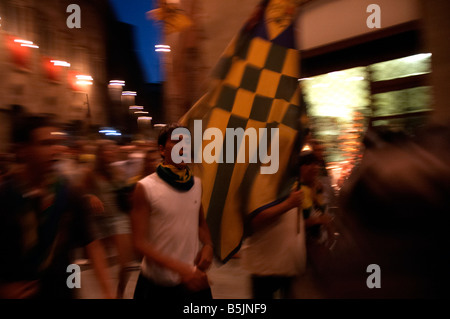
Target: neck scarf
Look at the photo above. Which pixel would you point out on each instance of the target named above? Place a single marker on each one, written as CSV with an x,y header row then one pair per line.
x,y
181,179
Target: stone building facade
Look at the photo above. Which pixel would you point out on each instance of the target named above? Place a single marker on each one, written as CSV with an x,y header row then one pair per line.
x,y
30,82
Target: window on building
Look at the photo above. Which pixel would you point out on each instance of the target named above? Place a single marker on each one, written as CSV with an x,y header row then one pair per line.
x,y
401,98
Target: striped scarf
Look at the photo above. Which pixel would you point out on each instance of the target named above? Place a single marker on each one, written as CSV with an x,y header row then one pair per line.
x,y
181,179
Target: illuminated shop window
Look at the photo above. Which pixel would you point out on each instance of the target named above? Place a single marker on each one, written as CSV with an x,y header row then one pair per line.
x,y
403,67
401,96
402,101
337,104
341,104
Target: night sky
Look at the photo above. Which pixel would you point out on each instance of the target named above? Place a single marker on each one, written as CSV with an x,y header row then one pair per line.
x,y
147,33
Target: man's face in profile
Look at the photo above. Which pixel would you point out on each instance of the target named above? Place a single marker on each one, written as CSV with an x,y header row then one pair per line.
x,y
44,148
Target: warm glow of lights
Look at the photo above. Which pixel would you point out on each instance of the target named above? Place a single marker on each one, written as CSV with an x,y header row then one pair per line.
x,y
58,133
336,74
117,82
320,85
129,93
81,82
26,43
34,46
355,78
307,148
84,77
162,48
417,57
60,63
23,41
136,107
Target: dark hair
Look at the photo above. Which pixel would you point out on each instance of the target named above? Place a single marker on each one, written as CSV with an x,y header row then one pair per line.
x,y
24,126
166,132
307,159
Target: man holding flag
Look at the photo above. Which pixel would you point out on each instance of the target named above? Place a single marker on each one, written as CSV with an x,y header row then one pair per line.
x,y
255,85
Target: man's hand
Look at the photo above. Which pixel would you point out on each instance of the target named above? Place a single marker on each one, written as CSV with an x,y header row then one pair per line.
x,y
204,257
295,199
194,279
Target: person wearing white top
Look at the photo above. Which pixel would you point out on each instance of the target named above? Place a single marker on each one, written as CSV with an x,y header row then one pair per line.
x,y
170,231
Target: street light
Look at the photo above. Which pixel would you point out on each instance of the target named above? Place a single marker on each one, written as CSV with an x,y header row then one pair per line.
x,y
162,48
84,79
117,83
60,63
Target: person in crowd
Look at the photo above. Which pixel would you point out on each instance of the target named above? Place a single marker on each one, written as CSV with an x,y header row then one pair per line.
x,y
114,229
318,149
170,231
320,234
396,205
43,219
275,253
151,160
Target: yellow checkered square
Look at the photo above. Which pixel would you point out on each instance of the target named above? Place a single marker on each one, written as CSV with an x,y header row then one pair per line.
x,y
291,66
235,73
296,97
258,52
243,103
268,83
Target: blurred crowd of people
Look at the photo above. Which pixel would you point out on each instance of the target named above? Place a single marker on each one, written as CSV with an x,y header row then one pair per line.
x,y
45,168
58,194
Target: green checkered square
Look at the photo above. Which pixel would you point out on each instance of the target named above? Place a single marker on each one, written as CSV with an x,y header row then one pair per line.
x,y
250,78
286,87
242,46
261,108
226,98
275,59
292,117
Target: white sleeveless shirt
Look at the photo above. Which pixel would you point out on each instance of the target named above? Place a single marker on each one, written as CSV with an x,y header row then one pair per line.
x,y
277,249
173,226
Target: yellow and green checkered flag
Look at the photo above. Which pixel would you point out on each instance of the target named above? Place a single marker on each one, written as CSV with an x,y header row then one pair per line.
x,y
256,86
175,19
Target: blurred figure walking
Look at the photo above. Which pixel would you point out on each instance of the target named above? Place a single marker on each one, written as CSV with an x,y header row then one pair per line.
x,y
113,225
43,219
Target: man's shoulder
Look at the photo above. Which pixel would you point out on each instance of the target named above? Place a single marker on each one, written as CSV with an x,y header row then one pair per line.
x,y
149,177
197,180
150,180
